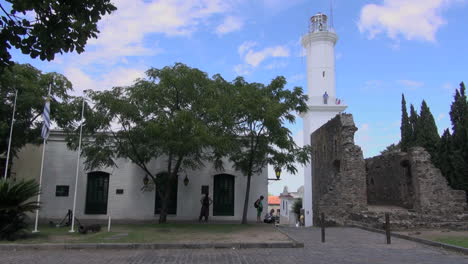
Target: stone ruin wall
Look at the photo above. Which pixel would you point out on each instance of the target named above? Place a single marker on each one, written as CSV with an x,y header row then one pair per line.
x,y
338,184
410,180
344,184
388,182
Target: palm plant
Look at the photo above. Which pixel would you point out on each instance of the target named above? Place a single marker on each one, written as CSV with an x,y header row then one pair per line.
x,y
15,202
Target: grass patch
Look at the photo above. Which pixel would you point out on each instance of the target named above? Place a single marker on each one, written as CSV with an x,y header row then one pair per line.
x,y
456,241
156,233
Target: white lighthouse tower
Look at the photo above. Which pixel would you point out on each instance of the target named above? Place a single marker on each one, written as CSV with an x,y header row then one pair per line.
x,y
319,43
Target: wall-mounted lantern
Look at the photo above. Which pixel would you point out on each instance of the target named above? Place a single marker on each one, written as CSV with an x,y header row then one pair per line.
x,y
186,180
146,180
278,172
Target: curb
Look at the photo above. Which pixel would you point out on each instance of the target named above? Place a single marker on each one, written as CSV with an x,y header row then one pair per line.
x,y
416,239
296,244
13,247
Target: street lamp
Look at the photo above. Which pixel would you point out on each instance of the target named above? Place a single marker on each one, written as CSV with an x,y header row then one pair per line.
x,y
186,180
278,172
146,180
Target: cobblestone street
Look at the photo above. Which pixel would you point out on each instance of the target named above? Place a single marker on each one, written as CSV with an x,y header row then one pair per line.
x,y
343,245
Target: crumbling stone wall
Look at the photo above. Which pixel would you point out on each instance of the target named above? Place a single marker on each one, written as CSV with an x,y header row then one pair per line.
x,y
342,188
338,171
388,181
433,195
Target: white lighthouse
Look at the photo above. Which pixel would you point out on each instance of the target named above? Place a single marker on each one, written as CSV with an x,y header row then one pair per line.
x,y
323,103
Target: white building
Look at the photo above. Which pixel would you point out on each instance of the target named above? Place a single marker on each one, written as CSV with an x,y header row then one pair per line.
x,y
323,103
117,191
287,200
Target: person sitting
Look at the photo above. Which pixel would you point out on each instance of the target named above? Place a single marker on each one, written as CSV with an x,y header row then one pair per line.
x,y
269,217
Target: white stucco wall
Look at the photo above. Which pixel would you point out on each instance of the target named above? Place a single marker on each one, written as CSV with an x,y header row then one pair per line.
x,y
133,204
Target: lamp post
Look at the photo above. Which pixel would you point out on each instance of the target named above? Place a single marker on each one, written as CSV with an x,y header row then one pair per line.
x,y
277,174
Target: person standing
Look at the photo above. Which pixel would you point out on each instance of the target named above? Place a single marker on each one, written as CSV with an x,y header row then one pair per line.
x,y
325,98
259,205
205,209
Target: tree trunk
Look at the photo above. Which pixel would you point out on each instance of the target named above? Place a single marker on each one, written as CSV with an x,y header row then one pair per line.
x,y
246,202
167,193
164,201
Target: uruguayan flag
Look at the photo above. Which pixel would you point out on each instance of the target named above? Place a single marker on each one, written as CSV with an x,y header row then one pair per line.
x,y
46,117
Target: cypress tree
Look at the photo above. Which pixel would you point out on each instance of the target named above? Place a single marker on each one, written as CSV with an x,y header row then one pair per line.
x,y
444,157
413,120
459,142
405,128
427,135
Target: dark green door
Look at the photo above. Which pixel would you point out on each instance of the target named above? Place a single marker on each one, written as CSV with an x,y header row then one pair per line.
x,y
96,193
172,203
223,195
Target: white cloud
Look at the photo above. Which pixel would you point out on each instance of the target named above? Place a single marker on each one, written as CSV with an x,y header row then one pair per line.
x,y
242,69
244,47
276,65
411,84
411,19
117,77
253,58
440,117
230,24
123,32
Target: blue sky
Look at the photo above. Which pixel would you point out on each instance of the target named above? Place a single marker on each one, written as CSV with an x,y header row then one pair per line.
x,y
385,48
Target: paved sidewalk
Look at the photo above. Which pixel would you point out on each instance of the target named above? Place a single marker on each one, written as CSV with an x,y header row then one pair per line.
x,y
344,245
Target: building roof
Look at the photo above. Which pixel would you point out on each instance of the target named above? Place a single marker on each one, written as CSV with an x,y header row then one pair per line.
x,y
273,200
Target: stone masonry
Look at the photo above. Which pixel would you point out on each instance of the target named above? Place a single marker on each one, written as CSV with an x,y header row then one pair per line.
x,y
338,169
349,189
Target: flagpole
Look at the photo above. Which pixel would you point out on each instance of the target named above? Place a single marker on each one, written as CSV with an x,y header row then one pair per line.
x,y
11,135
77,169
40,175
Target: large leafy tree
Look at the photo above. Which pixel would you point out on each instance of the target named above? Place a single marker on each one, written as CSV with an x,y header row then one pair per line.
x,y
261,113
174,115
32,86
42,28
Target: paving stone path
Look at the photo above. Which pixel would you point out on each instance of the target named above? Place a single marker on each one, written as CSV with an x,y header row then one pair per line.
x,y
343,245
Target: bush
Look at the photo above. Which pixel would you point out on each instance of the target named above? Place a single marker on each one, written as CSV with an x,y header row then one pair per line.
x,y
297,206
14,204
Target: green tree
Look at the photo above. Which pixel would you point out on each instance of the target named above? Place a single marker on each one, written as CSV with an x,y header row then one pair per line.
x,y
297,206
260,114
57,27
459,140
427,135
15,202
413,120
391,148
32,86
174,115
444,157
405,128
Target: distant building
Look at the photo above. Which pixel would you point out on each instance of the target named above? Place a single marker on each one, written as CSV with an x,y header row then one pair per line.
x,y
287,200
273,203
